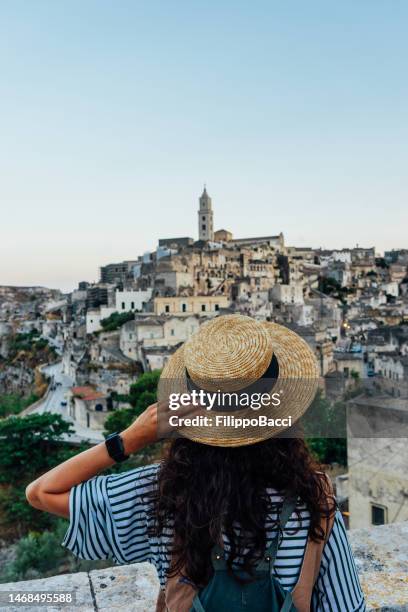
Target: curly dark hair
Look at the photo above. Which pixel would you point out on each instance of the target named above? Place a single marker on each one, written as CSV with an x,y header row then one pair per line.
x,y
206,490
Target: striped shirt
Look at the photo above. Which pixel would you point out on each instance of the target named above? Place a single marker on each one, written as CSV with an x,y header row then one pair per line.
x,y
111,517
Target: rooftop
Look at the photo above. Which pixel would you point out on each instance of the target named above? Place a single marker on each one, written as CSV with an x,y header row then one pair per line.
x,y
87,393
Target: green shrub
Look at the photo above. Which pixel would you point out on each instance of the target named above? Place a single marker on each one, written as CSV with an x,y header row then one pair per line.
x,y
12,403
142,394
116,320
37,553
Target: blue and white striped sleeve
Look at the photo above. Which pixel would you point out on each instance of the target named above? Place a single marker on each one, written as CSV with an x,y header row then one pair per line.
x,y
108,518
337,588
88,536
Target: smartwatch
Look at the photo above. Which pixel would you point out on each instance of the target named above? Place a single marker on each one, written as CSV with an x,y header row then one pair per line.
x,y
115,448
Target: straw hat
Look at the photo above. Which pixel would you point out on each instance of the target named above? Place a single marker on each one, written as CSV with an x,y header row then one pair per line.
x,y
235,353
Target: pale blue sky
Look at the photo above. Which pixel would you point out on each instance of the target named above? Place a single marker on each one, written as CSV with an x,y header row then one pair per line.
x,y
114,113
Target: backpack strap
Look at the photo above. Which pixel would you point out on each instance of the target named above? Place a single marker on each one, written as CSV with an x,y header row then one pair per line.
x,y
179,595
197,606
268,560
302,592
288,603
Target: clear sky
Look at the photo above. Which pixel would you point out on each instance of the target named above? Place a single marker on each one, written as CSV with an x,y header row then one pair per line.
x,y
114,114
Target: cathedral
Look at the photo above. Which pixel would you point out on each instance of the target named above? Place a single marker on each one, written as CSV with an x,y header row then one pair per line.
x,y
206,232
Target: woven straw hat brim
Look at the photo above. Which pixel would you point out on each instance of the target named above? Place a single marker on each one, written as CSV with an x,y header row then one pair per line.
x,y
297,384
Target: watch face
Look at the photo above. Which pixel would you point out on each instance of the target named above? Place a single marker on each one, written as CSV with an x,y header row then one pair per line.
x,y
114,445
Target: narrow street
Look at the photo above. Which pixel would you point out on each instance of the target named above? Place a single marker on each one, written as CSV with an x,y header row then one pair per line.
x,y
57,396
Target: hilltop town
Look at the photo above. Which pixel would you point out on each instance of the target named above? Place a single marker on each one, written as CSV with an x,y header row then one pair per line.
x,y
91,345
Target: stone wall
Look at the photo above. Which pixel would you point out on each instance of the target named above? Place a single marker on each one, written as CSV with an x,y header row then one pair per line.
x,y
381,555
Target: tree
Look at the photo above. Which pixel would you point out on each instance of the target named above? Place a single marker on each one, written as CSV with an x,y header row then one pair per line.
x,y
29,446
40,554
330,286
16,514
13,403
31,443
147,382
119,420
325,428
37,553
145,399
142,394
116,320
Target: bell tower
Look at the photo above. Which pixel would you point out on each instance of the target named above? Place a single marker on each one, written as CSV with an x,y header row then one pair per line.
x,y
205,217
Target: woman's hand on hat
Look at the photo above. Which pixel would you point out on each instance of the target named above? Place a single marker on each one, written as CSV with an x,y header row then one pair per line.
x,y
153,424
142,432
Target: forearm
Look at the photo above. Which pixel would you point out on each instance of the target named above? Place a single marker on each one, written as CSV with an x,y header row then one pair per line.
x,y
50,491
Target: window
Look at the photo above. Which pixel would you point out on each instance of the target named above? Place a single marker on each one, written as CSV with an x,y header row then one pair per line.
x,y
99,408
184,308
378,515
203,309
216,306
167,308
132,306
172,332
123,305
203,226
203,218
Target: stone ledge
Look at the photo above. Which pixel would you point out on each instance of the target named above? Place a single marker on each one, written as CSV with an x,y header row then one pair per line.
x,y
381,557
131,588
78,584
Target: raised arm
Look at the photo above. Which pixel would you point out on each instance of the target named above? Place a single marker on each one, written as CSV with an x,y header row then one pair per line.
x,y
50,492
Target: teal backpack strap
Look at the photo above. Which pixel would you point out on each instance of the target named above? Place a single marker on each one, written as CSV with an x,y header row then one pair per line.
x,y
218,563
288,507
197,605
268,560
287,604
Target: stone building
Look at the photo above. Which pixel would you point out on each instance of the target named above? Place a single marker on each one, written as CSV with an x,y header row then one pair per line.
x,y
202,305
350,364
131,300
155,331
377,460
88,407
118,273
98,295
277,241
176,243
222,235
6,332
287,294
322,346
